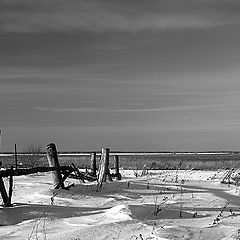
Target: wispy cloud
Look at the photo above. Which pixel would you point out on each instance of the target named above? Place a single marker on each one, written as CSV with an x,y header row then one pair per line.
x,y
109,109
75,15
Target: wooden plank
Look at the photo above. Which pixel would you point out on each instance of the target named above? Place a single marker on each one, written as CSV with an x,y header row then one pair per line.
x,y
27,171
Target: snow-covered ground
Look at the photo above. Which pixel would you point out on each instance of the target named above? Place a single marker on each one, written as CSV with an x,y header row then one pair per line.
x,y
167,204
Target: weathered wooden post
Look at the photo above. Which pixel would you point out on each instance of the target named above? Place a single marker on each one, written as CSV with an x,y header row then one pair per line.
x,y
15,155
10,187
103,167
93,164
3,192
117,173
105,155
52,157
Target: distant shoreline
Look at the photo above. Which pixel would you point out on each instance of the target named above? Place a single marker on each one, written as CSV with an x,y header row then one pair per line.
x,y
5,154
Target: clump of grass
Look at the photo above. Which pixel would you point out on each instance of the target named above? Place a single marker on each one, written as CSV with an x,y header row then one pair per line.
x,y
220,215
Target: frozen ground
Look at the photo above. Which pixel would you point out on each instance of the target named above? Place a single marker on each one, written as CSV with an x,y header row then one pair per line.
x,y
167,204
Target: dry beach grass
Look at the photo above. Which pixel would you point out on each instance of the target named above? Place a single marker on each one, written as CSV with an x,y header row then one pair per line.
x,y
197,161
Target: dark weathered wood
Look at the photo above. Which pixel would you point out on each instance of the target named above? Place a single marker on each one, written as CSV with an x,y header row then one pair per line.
x,y
52,157
117,173
15,155
107,175
116,159
77,172
10,187
83,176
3,192
27,171
93,164
66,173
0,139
107,171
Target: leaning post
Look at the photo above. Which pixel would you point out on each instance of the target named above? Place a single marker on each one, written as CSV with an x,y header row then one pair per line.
x,y
3,192
93,164
52,157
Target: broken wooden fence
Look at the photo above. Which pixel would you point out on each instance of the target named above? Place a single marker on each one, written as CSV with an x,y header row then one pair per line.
x,y
61,173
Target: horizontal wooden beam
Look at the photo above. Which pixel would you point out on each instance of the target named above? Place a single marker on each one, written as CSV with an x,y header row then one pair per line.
x,y
26,171
66,170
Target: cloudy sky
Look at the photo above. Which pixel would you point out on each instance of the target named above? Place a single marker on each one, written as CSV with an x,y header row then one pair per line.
x,y
134,75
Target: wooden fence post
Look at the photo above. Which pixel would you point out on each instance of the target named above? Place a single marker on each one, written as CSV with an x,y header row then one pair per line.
x,y
107,171
93,164
52,157
10,187
15,155
104,167
117,174
3,192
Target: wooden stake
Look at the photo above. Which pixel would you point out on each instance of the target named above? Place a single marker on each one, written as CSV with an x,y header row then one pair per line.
x,y
93,164
117,174
10,187
15,154
103,168
107,171
52,157
3,192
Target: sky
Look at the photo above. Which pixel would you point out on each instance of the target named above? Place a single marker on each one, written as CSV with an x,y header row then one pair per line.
x,y
131,75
